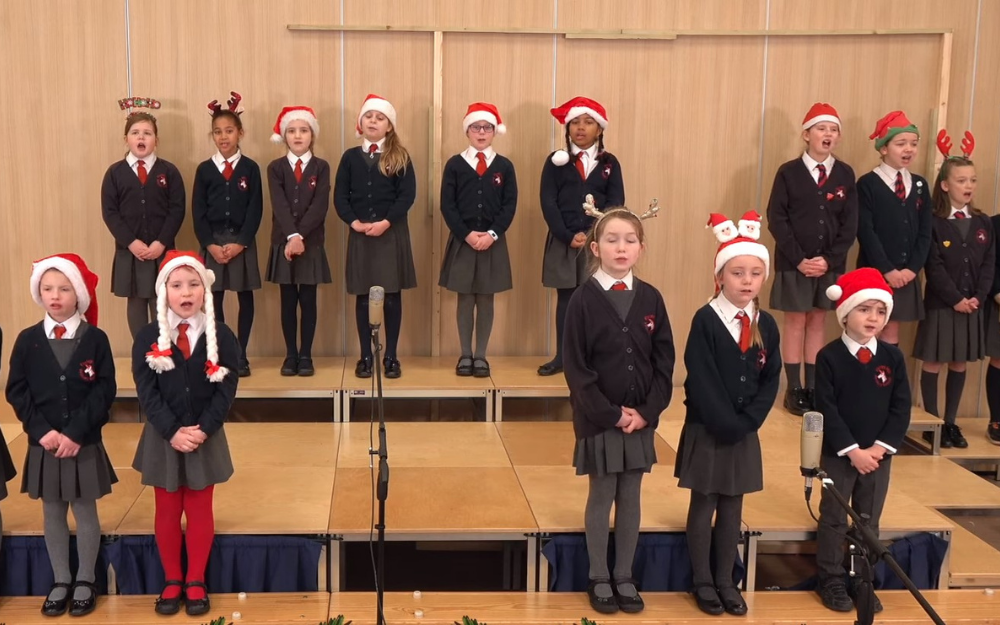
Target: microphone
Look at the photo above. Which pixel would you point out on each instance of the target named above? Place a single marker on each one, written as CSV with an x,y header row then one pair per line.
x,y
811,447
376,298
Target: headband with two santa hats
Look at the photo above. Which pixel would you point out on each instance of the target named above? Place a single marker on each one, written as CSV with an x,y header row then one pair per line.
x,y
160,357
84,282
856,287
738,240
569,111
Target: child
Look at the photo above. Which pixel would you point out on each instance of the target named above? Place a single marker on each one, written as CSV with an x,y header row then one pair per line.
x,y
619,382
375,189
734,369
864,394
813,216
300,197
991,319
894,219
142,201
183,369
959,273
226,206
61,385
566,182
478,200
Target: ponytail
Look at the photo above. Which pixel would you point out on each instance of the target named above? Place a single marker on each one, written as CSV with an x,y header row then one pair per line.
x,y
756,339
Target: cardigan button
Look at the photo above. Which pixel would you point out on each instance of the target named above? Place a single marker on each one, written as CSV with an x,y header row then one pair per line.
x,y
630,367
743,357
628,350
62,378
632,387
743,378
625,329
739,400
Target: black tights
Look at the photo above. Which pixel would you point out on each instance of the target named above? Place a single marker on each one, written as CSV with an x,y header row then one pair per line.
x,y
562,304
244,319
723,540
302,296
393,314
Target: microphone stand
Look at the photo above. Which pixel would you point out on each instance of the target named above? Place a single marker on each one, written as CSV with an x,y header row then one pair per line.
x,y
872,551
382,488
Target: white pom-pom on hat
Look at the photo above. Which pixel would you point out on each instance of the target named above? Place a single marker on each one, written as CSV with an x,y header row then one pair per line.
x,y
834,292
856,287
560,157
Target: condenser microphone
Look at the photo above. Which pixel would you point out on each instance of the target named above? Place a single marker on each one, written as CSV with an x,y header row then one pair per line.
x,y
811,447
376,298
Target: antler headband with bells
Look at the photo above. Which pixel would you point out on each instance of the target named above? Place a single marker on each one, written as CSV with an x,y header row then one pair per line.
x,y
592,211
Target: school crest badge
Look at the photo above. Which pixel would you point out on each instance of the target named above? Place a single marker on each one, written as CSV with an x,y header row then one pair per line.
x,y
244,184
161,181
497,180
606,173
761,358
650,322
87,371
981,236
312,182
883,376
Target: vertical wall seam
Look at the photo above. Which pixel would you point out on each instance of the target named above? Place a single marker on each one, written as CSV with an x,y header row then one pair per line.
x,y
344,333
128,49
763,107
975,62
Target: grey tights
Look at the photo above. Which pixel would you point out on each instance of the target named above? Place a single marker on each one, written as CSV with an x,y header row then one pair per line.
x,y
88,543
624,490
481,305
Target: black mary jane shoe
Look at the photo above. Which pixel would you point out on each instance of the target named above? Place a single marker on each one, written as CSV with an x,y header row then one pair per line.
x,y
363,369
711,605
290,366
464,367
244,369
57,608
480,368
83,607
629,604
603,605
197,607
392,368
306,368
550,368
173,605
732,601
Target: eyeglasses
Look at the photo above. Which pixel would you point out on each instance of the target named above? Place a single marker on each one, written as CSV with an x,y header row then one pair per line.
x,y
487,128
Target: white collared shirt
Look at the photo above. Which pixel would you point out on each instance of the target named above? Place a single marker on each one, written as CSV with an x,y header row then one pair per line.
x,y
606,281
196,325
366,145
132,159
888,176
728,312
292,159
470,156
589,157
220,161
811,164
964,210
72,325
853,347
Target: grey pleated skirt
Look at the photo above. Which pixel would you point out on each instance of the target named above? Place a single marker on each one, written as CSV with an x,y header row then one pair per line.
x,y
708,466
7,469
464,270
88,476
614,451
131,277
385,261
908,302
562,266
310,267
991,328
793,292
949,336
163,466
241,273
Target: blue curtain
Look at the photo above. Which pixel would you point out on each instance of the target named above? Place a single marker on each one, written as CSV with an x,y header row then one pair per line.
x,y
662,563
25,568
236,564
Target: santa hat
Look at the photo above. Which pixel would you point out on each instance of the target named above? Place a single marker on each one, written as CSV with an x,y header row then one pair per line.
x,y
743,245
572,109
858,286
159,359
376,103
483,112
820,112
290,114
891,125
84,282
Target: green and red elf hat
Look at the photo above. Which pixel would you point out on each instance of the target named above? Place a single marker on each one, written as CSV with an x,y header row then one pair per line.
x,y
891,125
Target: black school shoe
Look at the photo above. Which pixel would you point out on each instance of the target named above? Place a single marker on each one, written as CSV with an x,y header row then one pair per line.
x,y
550,368
170,606
797,401
363,369
290,366
707,598
480,368
629,604
244,370
955,434
834,595
197,607
57,608
603,605
392,368
993,432
464,367
306,367
732,600
82,607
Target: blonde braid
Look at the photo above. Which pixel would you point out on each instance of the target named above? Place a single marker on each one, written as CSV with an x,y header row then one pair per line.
x,y
758,340
161,362
211,340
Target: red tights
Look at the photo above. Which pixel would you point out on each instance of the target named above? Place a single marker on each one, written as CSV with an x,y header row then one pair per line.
x,y
196,505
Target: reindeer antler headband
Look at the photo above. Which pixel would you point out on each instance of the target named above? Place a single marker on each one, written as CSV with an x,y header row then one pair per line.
x,y
233,104
592,211
944,144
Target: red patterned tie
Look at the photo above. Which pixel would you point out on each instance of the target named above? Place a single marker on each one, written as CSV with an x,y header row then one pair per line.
x,y
227,171
821,168
183,343
481,165
580,167
865,355
900,187
372,149
298,171
959,215
744,331
140,168
59,331
619,286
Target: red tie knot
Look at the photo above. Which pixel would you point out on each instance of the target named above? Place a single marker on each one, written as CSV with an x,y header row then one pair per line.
x,y
59,331
619,286
865,355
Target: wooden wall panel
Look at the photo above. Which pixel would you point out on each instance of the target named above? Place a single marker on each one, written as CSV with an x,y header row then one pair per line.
x,y
450,13
188,53
659,15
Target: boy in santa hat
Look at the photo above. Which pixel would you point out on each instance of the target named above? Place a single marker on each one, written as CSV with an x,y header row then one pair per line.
x,y
864,394
813,216
478,200
61,385
185,370
568,177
